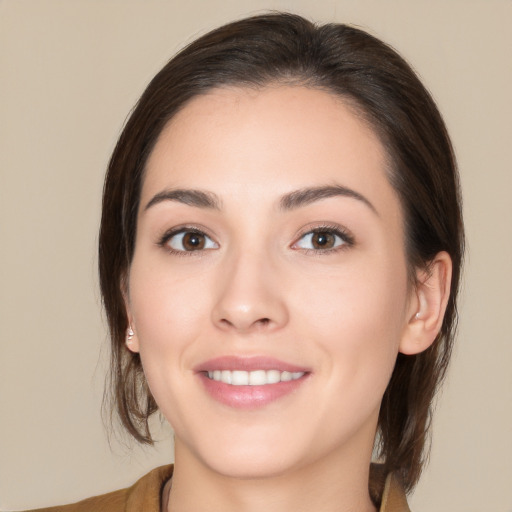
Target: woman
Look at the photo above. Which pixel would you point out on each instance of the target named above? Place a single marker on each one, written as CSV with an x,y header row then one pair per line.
x,y
280,252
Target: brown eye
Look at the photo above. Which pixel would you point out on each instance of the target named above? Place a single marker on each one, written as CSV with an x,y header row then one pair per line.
x,y
188,241
193,241
323,240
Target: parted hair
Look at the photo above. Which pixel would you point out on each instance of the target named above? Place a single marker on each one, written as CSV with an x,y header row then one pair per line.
x,y
282,48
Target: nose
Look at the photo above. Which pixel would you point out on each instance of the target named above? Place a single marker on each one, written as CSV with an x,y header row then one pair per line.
x,y
250,296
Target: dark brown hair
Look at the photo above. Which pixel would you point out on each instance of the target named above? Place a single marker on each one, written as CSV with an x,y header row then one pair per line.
x,y
287,49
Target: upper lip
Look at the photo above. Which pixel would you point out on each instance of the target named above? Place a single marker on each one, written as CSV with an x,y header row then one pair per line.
x,y
248,364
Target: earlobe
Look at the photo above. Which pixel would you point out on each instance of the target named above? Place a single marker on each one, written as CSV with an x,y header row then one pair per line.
x,y
428,308
131,339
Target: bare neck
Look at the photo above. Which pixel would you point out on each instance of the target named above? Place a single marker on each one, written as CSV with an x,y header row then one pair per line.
x,y
316,486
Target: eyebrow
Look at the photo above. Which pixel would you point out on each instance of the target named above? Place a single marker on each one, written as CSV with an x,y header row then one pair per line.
x,y
190,197
290,201
306,196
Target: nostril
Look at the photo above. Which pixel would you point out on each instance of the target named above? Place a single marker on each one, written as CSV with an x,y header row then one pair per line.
x,y
226,322
260,323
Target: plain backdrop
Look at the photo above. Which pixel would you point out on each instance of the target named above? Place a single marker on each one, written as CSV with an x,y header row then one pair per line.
x,y
70,70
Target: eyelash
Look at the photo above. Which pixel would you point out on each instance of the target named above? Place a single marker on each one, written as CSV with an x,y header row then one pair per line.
x,y
168,235
335,230
345,236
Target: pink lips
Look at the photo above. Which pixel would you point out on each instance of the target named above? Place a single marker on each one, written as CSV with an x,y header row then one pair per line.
x,y
249,396
248,364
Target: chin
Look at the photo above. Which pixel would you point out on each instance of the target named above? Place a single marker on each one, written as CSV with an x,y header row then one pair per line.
x,y
247,456
252,467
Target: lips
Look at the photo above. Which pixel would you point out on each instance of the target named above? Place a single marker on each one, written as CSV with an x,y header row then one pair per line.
x,y
248,364
250,382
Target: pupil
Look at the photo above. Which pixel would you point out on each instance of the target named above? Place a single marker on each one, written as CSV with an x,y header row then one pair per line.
x,y
192,241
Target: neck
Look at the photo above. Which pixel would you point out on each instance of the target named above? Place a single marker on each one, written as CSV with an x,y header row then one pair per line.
x,y
316,486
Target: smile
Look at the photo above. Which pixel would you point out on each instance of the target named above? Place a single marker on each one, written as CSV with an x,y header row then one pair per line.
x,y
253,378
250,382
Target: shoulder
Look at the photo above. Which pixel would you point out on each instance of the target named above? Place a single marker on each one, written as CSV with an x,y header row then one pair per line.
x,y
143,495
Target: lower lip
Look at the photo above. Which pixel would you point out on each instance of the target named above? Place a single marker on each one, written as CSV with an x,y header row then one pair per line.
x,y
249,397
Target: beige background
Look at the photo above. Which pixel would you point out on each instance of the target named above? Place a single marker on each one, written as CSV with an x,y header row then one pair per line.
x,y
70,70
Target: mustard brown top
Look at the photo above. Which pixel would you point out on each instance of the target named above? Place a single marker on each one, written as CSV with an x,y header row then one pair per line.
x,y
146,495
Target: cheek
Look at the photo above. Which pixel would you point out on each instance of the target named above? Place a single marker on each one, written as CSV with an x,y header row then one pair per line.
x,y
168,313
361,301
357,318
169,317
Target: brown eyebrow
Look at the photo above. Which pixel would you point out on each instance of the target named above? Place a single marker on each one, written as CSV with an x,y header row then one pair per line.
x,y
306,196
291,201
190,197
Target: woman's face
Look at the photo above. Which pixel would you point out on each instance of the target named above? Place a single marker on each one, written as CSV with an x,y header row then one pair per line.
x,y
268,289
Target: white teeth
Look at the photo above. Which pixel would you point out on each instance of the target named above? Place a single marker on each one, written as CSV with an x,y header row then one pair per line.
x,y
258,378
273,376
239,378
286,376
254,378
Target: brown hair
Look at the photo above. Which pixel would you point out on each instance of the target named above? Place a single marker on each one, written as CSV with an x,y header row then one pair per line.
x,y
285,48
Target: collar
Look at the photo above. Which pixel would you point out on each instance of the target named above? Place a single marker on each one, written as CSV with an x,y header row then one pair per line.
x,y
393,496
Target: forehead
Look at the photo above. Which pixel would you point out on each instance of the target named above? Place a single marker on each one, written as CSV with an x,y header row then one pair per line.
x,y
268,141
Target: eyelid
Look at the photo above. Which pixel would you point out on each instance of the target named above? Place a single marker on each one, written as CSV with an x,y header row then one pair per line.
x,y
163,241
335,229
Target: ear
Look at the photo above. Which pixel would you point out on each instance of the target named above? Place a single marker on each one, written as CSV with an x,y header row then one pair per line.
x,y
428,305
131,339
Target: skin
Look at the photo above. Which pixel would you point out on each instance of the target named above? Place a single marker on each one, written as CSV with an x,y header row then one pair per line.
x,y
260,288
